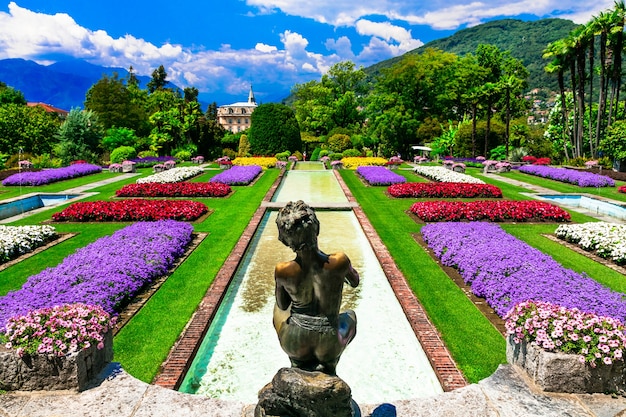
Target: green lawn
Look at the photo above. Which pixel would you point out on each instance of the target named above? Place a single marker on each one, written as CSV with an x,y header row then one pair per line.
x,y
143,344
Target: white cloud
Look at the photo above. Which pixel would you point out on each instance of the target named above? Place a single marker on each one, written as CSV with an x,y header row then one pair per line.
x,y
37,36
388,32
265,48
342,46
29,35
438,14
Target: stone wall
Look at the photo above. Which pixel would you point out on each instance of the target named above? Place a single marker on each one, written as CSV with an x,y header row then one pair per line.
x,y
48,372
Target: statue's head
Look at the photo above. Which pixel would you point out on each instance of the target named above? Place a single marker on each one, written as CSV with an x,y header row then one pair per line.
x,y
298,226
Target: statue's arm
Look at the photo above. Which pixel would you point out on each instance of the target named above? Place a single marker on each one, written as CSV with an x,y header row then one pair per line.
x,y
352,276
283,299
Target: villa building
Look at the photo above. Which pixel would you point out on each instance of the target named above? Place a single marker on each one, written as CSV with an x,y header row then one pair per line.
x,y
236,117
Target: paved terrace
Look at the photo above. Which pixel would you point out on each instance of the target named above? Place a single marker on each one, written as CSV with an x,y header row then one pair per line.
x,y
508,392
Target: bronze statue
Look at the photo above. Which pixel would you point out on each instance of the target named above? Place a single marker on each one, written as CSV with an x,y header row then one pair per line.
x,y
308,294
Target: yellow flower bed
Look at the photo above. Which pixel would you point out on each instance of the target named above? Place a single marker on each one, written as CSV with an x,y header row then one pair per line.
x,y
264,162
355,162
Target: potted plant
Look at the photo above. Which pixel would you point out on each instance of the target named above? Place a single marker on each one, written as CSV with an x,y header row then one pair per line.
x,y
566,350
224,162
394,162
57,348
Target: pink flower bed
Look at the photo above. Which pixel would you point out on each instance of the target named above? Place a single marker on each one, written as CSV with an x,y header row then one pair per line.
x,y
492,210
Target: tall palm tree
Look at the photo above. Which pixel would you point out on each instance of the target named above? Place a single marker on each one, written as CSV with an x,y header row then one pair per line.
x,y
472,98
509,85
490,92
602,25
556,50
617,44
579,39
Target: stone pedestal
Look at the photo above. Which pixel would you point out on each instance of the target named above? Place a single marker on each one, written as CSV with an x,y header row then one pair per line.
x,y
48,372
297,393
562,372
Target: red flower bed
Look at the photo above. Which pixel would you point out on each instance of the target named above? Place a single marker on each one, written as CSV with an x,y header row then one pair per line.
x,y
444,190
495,211
131,210
622,189
175,189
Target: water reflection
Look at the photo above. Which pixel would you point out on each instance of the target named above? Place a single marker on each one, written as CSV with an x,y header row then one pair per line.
x,y
311,187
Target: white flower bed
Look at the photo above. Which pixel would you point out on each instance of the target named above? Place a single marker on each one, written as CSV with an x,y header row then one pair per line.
x,y
442,174
172,175
18,240
607,239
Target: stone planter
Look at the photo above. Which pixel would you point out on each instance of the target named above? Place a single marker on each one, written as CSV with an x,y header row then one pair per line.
x,y
225,166
48,372
561,372
128,168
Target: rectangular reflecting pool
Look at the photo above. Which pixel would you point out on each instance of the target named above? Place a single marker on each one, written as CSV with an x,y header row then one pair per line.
x,y
241,351
21,205
588,203
311,186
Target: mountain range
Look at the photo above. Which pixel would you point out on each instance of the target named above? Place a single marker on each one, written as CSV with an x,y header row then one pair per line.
x,y
65,83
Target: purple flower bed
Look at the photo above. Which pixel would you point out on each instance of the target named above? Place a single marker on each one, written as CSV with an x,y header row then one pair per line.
x,y
238,175
572,176
505,270
376,175
48,176
107,273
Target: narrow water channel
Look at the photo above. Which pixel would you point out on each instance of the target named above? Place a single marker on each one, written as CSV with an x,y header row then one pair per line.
x,y
241,352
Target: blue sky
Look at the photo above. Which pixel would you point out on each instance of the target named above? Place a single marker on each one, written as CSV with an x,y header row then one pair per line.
x,y
223,47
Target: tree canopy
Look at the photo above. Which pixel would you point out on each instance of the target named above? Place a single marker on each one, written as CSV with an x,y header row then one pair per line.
x,y
274,129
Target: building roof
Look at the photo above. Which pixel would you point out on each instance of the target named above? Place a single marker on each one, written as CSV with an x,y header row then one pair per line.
x,y
241,104
49,108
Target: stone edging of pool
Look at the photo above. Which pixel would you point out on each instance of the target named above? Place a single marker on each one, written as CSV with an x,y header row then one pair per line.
x,y
178,361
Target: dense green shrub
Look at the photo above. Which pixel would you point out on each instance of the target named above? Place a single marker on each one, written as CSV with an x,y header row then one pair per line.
x,y
231,153
613,144
244,146
273,129
119,136
123,153
351,153
144,154
339,143
315,156
46,161
282,156
298,155
183,155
